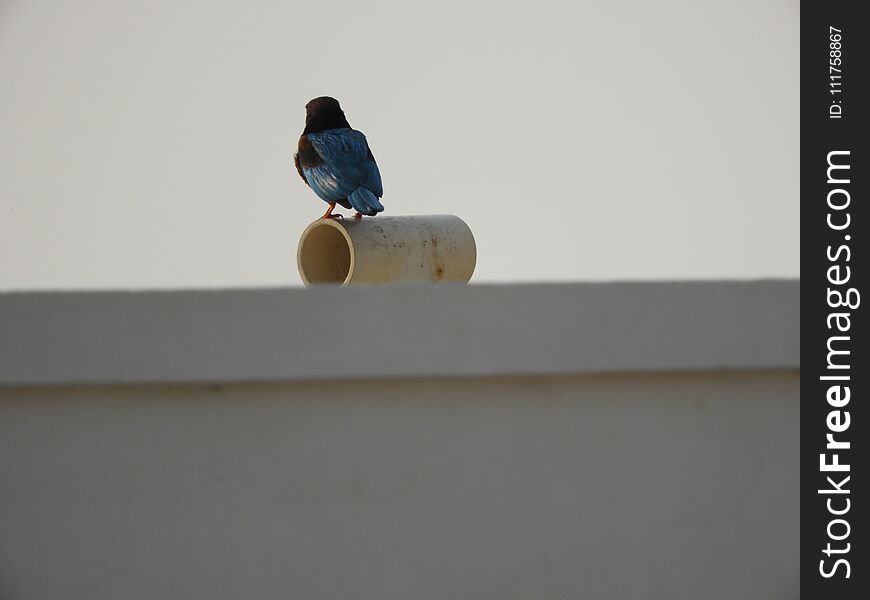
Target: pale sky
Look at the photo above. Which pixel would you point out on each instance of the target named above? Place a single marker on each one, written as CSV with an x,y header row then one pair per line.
x,y
148,144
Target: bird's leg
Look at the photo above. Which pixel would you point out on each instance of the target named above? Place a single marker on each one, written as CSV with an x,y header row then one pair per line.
x,y
357,216
328,214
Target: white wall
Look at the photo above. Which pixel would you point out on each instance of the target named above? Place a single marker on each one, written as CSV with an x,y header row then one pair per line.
x,y
679,485
601,441
396,331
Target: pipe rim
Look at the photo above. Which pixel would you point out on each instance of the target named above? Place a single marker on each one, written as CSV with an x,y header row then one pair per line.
x,y
334,223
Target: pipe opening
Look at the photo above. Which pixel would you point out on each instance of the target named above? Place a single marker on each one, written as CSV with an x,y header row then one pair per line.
x,y
324,256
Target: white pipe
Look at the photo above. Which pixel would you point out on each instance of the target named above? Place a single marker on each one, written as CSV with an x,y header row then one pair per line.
x,y
427,248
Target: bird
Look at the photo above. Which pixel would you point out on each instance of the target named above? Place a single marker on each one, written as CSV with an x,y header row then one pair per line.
x,y
336,162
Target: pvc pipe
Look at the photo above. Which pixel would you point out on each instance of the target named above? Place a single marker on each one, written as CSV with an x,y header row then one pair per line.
x,y
429,248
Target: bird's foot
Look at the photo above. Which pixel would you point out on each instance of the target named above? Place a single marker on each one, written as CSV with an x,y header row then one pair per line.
x,y
357,216
328,214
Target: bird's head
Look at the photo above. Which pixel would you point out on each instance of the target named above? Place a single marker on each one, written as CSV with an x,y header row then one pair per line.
x,y
324,113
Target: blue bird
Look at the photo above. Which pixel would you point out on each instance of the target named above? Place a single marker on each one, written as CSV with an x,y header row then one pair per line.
x,y
336,161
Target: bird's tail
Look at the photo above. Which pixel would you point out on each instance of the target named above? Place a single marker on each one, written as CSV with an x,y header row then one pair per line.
x,y
365,202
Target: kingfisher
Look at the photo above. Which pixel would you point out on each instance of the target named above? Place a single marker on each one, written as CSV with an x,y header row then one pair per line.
x,y
336,162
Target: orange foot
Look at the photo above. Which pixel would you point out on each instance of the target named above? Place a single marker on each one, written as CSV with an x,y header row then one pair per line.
x,y
357,216
328,214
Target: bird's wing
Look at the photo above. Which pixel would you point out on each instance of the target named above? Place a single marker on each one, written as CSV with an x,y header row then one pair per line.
x,y
338,163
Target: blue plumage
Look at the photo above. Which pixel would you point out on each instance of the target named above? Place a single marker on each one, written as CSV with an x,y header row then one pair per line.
x,y
336,161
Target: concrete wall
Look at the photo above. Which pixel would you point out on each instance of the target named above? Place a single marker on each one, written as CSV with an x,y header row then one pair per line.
x,y
627,482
